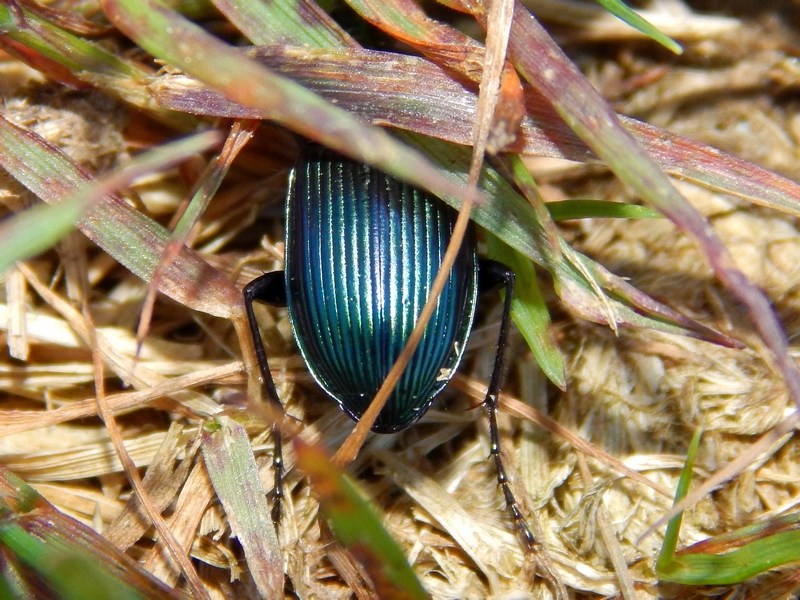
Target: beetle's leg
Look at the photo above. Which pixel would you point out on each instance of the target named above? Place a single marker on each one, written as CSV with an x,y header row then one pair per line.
x,y
270,288
492,275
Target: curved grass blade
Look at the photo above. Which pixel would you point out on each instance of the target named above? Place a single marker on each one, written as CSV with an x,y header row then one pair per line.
x,y
757,548
529,311
233,472
132,238
357,527
51,549
623,12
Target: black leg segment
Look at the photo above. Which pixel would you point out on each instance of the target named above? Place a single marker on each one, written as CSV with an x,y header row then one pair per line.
x,y
493,275
270,288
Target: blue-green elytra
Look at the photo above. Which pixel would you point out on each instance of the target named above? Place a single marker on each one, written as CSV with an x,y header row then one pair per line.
x,y
362,251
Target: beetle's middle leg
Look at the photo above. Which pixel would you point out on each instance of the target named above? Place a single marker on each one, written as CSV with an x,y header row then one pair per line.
x,y
270,289
493,275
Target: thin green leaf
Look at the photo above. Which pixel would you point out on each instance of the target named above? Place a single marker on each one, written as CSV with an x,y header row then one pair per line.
x,y
756,557
761,546
566,210
132,238
623,11
357,527
667,554
529,311
75,561
40,227
70,572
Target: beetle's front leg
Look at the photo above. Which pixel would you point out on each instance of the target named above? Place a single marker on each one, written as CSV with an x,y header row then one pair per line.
x,y
493,275
270,288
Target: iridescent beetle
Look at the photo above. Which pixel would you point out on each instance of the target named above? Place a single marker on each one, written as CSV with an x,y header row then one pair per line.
x,y
362,251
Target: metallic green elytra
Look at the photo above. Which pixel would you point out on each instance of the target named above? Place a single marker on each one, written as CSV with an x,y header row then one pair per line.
x,y
362,251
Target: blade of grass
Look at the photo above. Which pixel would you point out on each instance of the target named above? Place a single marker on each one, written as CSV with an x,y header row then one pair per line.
x,y
39,535
529,312
132,238
40,227
623,12
757,557
233,471
566,210
633,306
71,51
357,526
745,459
440,42
666,557
71,573
172,38
758,548
716,170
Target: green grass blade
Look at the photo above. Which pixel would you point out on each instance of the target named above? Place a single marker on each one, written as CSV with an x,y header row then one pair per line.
x,y
42,226
357,527
566,210
623,11
69,572
763,546
74,561
667,555
739,565
529,311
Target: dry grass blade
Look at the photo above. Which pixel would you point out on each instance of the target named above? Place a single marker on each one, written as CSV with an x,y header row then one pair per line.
x,y
232,469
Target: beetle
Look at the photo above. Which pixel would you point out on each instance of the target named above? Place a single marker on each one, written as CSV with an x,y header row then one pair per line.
x,y
362,251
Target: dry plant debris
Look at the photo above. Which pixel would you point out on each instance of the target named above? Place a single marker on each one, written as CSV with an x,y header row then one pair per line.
x,y
637,396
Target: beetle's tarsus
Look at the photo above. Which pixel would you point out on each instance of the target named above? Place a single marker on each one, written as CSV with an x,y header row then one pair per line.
x,y
277,469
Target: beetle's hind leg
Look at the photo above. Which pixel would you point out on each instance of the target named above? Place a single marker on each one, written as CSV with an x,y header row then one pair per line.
x,y
493,275
270,288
